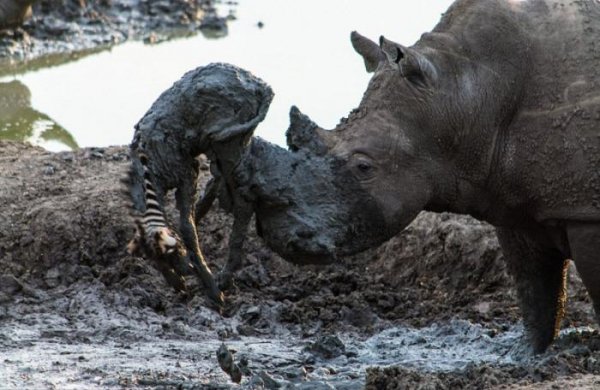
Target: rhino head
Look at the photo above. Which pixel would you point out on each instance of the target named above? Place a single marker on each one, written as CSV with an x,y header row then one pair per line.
x,y
341,191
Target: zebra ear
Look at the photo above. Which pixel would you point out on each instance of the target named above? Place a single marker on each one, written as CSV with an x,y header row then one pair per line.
x,y
165,240
134,246
167,237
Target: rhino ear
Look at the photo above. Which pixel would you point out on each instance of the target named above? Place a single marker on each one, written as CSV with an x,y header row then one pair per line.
x,y
369,50
413,65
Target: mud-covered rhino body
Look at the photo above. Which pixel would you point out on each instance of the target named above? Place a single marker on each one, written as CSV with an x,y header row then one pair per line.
x,y
495,113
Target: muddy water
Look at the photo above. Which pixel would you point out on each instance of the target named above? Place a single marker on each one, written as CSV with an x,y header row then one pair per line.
x,y
302,50
48,358
58,356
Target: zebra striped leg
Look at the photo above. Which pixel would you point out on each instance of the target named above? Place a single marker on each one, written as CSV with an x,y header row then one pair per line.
x,y
184,198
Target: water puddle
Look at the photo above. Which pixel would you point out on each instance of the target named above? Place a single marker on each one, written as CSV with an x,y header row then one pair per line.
x,y
302,49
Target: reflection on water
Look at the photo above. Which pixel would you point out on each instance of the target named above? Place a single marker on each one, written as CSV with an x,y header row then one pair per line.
x,y
9,66
20,122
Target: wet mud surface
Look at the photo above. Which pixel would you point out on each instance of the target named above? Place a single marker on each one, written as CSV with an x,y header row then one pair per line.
x,y
433,308
64,30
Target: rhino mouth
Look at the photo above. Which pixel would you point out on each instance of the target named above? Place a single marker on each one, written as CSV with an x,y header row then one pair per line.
x,y
302,253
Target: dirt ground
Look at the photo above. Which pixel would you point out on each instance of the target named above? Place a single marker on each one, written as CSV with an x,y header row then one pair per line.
x,y
432,308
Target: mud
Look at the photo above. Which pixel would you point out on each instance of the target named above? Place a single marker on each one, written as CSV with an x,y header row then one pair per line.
x,y
431,308
64,30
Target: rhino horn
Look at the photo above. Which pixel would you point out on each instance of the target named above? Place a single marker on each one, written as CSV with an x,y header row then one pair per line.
x,y
303,133
412,64
369,50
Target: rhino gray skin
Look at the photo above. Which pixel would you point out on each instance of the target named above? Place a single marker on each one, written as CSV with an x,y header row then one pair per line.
x,y
14,12
495,113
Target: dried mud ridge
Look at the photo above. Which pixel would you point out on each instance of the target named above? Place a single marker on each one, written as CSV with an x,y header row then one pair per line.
x,y
63,30
76,310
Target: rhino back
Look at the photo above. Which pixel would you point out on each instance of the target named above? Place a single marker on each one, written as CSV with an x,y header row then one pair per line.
x,y
546,157
554,141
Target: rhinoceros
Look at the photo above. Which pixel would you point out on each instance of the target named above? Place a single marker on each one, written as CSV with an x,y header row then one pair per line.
x,y
495,113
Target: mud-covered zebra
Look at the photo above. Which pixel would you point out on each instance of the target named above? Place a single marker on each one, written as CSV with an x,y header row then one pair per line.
x,y
217,106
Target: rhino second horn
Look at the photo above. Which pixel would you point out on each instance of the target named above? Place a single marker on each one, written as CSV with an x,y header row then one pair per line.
x,y
303,133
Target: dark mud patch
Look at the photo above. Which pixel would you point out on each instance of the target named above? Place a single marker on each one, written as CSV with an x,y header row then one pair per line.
x,y
77,311
64,30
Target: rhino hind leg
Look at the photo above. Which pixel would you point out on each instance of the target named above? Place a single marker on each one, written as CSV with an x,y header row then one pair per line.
x,y
540,274
584,240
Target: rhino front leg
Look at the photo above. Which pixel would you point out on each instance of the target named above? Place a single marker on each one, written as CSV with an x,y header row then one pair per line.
x,y
584,240
184,197
539,271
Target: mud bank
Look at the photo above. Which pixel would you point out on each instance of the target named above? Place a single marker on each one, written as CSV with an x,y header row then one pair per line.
x,y
64,30
432,308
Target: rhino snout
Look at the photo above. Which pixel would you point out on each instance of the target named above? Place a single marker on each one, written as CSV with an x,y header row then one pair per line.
x,y
306,247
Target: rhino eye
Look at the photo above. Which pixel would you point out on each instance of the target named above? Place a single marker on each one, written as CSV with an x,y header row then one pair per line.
x,y
363,167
